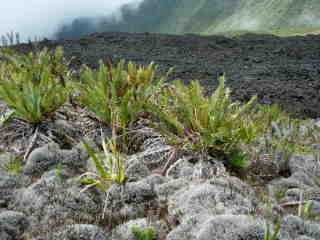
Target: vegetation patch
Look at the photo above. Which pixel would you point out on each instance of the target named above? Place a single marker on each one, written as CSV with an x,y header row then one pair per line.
x,y
215,125
35,92
34,86
118,91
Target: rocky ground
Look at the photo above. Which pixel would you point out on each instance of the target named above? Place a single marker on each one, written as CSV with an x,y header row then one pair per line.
x,y
41,197
196,199
281,70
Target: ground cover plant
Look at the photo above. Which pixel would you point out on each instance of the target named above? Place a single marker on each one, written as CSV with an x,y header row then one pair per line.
x,y
143,234
34,86
215,125
122,91
101,176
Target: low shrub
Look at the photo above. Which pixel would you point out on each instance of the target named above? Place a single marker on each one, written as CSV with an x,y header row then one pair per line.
x,y
215,125
34,86
143,234
122,91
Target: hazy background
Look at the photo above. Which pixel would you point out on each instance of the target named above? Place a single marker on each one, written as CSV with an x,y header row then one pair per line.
x,y
71,19
42,18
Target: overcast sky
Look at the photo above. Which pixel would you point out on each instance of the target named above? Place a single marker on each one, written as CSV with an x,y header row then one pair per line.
x,y
43,17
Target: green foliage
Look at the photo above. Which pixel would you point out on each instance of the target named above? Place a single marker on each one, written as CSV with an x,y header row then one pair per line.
x,y
307,209
118,91
238,159
6,117
110,167
214,124
34,85
14,166
280,193
285,17
269,235
143,234
266,114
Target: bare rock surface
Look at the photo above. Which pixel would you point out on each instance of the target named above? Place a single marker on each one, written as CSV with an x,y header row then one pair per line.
x,y
80,232
284,70
302,184
195,199
51,156
55,199
12,225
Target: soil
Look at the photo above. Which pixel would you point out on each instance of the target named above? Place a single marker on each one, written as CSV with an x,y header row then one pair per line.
x,y
277,70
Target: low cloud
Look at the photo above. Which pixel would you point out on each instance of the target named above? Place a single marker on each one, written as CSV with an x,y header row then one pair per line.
x,y
42,18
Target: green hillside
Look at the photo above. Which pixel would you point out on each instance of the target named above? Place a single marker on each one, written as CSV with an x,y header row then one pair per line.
x,y
223,16
284,17
281,17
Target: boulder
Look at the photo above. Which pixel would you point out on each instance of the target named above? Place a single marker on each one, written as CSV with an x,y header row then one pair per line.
x,y
50,156
136,170
129,201
220,227
305,170
79,232
294,227
224,195
41,159
155,180
194,168
8,184
12,225
231,227
304,163
55,199
167,189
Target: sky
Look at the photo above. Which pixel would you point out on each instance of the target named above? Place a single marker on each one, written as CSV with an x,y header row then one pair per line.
x,y
42,18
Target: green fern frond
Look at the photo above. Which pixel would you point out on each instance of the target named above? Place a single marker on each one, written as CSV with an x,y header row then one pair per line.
x,y
31,85
120,88
213,124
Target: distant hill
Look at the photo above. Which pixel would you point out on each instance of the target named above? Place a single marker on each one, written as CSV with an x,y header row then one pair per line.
x,y
281,17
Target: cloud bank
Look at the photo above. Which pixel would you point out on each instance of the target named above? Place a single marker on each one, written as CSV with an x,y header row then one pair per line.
x,y
42,18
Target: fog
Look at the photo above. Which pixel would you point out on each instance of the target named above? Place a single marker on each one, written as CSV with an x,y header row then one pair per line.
x,y
42,18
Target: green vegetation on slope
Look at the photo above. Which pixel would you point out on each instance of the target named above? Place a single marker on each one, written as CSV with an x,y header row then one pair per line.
x,y
122,95
228,17
35,85
283,17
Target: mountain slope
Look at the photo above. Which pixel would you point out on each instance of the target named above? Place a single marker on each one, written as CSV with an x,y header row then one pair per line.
x,y
282,17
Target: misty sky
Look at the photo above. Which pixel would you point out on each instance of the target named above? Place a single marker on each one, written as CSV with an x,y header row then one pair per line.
x,y
43,17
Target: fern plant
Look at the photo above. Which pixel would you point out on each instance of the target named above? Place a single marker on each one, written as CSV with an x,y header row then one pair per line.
x,y
214,124
118,90
34,86
269,235
143,234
